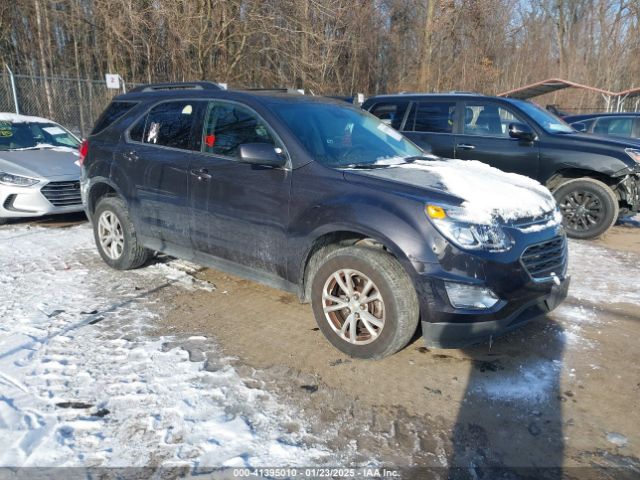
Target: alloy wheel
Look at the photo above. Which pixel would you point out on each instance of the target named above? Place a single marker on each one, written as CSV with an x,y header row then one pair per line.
x,y
353,306
110,235
582,210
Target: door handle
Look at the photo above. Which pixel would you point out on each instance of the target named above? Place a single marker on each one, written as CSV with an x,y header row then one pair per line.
x,y
202,174
131,155
465,146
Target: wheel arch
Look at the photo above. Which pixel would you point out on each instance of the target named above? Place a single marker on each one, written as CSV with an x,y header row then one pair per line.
x,y
329,241
98,189
562,176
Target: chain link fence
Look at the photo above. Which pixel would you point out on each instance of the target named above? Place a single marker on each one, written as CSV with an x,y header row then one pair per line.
x,y
74,103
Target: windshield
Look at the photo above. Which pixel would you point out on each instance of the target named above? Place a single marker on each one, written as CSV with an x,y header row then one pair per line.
x,y
548,121
32,135
339,136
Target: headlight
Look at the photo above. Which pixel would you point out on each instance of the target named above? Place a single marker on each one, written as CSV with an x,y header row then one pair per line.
x,y
16,180
634,153
451,223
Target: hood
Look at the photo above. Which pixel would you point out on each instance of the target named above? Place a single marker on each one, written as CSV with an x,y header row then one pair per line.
x,y
487,193
590,139
44,163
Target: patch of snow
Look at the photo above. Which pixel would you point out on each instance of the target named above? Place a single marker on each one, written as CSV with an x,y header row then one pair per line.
x,y
532,383
617,439
576,314
81,384
489,192
601,285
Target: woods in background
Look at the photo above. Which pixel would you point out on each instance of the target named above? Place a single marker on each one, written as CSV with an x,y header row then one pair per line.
x,y
330,46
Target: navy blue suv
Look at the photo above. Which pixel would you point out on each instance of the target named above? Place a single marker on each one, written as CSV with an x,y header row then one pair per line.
x,y
317,197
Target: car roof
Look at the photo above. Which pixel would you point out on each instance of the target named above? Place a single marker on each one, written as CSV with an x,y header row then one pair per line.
x,y
249,96
440,95
587,116
17,118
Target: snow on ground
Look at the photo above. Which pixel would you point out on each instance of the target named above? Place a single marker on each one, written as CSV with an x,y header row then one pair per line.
x,y
602,275
82,385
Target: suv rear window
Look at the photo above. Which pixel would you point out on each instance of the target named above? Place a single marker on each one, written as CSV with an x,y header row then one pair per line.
x,y
113,112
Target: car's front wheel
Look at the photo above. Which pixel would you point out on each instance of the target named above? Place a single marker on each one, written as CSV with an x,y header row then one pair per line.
x,y
116,237
364,302
589,207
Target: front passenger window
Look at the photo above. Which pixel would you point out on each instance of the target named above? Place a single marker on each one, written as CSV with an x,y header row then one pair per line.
x,y
228,125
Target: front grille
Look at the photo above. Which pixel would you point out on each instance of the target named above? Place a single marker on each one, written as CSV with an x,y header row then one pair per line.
x,y
543,259
62,194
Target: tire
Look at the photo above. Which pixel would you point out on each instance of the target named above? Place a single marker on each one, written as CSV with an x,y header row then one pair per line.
x,y
121,249
395,314
589,207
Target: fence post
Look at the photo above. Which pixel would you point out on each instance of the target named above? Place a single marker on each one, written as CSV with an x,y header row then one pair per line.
x,y
13,89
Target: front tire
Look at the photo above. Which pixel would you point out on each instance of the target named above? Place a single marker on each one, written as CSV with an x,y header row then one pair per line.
x,y
116,237
589,207
364,302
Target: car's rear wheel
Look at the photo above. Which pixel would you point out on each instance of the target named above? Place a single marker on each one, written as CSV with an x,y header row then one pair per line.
x,y
364,302
589,207
116,237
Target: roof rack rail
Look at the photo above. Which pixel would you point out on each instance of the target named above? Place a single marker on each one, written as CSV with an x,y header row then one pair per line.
x,y
452,92
275,90
155,87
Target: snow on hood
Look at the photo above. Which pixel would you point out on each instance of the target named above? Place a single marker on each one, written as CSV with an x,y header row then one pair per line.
x,y
49,162
487,193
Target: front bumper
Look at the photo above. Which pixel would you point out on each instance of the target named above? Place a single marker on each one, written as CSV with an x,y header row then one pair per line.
x,y
461,334
529,280
53,196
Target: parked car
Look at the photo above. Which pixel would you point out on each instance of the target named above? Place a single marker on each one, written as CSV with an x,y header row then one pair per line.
x,y
626,125
320,198
39,173
595,180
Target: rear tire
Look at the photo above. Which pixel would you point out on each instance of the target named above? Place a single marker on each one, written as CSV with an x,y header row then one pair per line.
x,y
379,313
589,207
116,237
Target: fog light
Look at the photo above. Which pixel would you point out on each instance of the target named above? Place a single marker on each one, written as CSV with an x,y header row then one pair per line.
x,y
470,296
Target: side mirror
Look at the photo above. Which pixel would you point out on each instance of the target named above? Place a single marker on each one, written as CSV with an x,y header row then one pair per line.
x,y
521,131
580,126
261,154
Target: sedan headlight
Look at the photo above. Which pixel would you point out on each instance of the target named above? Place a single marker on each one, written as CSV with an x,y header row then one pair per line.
x,y
634,153
16,180
451,223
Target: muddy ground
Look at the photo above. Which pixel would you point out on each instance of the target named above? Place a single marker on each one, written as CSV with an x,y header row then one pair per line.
x,y
561,392
551,394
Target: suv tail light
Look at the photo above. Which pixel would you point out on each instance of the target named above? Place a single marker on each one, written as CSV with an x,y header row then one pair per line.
x,y
83,149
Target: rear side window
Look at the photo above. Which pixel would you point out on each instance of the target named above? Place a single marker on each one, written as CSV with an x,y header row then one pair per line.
x,y
113,112
169,124
620,127
435,117
228,125
391,113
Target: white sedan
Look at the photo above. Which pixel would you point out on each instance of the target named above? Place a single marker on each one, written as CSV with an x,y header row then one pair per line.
x,y
39,170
